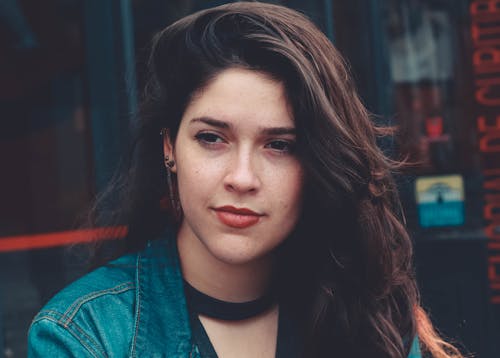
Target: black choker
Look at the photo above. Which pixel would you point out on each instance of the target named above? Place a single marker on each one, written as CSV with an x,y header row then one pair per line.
x,y
203,304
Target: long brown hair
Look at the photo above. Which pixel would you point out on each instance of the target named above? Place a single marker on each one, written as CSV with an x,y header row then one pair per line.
x,y
349,261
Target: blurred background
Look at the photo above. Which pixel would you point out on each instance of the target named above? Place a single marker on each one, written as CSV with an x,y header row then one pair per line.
x,y
70,71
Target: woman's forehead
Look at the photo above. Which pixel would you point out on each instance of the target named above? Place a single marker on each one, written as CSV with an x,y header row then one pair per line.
x,y
239,96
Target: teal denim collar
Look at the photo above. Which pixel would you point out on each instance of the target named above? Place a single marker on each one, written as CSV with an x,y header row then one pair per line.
x,y
162,322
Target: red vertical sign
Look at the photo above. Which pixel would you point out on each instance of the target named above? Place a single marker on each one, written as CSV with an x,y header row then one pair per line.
x,y
485,34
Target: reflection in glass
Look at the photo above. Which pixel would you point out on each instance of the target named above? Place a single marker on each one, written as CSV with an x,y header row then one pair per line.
x,y
421,39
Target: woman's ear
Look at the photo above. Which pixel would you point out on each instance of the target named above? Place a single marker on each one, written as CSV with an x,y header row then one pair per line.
x,y
168,151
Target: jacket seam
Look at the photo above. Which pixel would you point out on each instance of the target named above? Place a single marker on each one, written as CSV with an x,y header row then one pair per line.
x,y
90,296
73,309
82,300
95,350
138,302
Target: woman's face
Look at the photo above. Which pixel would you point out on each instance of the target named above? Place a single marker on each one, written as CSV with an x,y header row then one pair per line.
x,y
239,181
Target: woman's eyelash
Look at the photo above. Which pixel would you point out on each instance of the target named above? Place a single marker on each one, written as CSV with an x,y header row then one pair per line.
x,y
281,146
285,146
208,138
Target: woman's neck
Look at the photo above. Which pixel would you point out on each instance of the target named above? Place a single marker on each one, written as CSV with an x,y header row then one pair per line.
x,y
241,282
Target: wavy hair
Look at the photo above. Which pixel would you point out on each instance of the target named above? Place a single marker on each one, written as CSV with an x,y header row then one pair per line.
x,y
355,285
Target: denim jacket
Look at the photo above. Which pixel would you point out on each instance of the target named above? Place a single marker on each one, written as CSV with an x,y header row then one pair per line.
x,y
132,307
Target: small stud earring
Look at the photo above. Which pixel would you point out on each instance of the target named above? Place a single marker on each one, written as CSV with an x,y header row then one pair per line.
x,y
170,163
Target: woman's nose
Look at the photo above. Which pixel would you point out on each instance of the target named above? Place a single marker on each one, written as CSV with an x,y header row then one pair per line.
x,y
242,176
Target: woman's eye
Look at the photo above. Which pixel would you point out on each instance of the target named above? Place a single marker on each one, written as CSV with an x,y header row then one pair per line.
x,y
281,146
209,138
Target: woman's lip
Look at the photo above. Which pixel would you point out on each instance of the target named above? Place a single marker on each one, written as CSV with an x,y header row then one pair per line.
x,y
239,211
239,218
238,221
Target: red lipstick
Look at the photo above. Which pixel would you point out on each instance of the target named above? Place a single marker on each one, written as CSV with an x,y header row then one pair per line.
x,y
239,218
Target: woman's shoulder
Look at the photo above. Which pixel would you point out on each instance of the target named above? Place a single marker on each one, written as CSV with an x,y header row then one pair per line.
x,y
114,281
89,313
415,349
130,306
114,278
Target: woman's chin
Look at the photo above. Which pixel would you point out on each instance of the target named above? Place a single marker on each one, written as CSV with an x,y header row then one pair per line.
x,y
237,253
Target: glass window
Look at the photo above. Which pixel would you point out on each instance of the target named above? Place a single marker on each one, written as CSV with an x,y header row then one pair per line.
x,y
433,72
437,136
44,150
419,79
423,45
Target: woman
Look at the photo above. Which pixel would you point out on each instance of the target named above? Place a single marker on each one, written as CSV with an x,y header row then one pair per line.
x,y
263,220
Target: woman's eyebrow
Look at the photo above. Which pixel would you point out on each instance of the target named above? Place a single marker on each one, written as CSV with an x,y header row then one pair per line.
x,y
211,122
279,131
264,130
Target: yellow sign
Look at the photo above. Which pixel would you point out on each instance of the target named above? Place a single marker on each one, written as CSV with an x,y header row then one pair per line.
x,y
440,200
